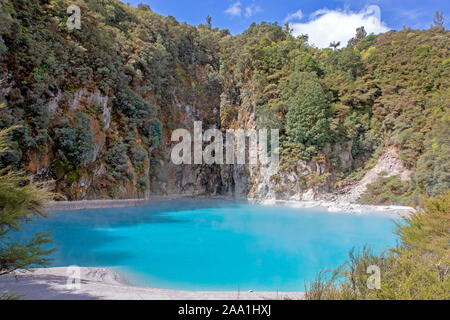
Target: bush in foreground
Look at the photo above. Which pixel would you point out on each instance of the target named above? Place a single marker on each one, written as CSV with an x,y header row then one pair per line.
x,y
418,269
19,202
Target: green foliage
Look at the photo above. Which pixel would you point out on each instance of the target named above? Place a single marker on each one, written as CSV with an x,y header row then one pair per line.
x,y
133,106
20,202
12,156
416,270
433,166
390,191
438,19
155,132
138,155
349,281
142,184
75,144
347,61
307,118
117,160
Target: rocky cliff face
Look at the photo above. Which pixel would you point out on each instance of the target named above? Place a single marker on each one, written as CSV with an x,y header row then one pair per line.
x,y
195,180
241,181
164,177
389,164
305,181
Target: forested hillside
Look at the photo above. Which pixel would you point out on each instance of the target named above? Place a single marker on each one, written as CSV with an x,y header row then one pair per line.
x,y
96,106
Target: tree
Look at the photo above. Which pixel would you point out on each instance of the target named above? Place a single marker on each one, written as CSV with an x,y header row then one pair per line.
x,y
360,34
144,7
307,118
20,202
287,29
209,22
438,19
75,143
335,44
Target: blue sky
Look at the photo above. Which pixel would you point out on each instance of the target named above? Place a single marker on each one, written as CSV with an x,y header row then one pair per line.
x,y
321,19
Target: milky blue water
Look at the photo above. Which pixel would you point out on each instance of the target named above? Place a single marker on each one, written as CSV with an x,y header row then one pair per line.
x,y
200,245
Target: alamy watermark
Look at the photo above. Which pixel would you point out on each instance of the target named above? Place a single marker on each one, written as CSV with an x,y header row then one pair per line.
x,y
73,278
74,20
374,281
231,149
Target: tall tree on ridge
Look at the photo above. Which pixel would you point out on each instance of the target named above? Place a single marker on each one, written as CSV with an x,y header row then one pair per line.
x,y
209,22
438,19
335,44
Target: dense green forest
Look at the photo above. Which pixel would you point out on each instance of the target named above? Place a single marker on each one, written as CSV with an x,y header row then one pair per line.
x,y
96,106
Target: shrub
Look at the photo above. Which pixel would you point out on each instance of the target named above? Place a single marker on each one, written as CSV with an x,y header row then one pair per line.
x,y
117,160
417,269
75,144
138,155
142,184
155,132
389,191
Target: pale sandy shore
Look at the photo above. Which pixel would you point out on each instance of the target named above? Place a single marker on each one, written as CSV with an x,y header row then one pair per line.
x,y
346,208
105,284
330,206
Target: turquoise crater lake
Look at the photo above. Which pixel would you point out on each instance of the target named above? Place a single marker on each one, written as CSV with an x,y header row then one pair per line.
x,y
212,245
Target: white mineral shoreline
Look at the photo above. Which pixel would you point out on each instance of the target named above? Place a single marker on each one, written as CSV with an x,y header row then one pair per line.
x,y
105,284
330,206
337,207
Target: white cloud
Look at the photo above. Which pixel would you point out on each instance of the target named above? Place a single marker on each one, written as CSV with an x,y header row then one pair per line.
x,y
252,9
235,9
294,16
325,26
